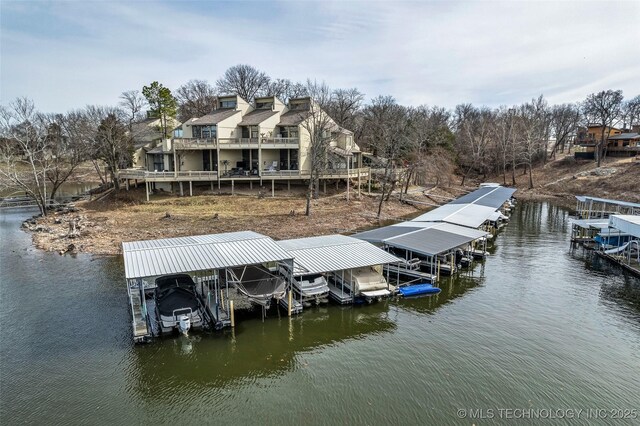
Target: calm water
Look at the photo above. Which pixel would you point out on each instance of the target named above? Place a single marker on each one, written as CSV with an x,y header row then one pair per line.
x,y
535,326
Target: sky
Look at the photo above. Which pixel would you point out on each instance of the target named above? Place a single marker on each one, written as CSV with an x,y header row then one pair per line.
x,y
68,54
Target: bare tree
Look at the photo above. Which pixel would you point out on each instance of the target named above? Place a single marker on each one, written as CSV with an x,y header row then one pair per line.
x,y
195,99
110,140
603,108
564,122
26,153
631,113
320,127
132,103
244,81
533,126
388,138
284,89
345,107
474,128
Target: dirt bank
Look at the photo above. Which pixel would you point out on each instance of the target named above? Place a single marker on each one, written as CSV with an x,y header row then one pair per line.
x,y
560,180
99,227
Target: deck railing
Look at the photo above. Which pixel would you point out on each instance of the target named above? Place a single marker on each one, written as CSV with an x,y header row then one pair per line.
x,y
195,143
238,142
267,142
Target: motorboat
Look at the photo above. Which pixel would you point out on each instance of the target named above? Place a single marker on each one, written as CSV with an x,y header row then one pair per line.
x,y
178,306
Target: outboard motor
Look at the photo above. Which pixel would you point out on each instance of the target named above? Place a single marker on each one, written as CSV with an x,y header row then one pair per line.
x,y
459,255
184,324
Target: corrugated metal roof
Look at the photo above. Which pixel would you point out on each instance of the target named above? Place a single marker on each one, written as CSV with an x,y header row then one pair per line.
x,y
430,241
626,223
490,196
199,253
429,238
591,223
328,253
584,198
471,215
380,234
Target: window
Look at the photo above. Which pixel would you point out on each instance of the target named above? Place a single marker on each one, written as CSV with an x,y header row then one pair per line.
x,y
228,104
264,105
177,133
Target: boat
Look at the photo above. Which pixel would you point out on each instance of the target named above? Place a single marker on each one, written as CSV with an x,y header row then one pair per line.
x,y
177,304
311,289
363,283
418,290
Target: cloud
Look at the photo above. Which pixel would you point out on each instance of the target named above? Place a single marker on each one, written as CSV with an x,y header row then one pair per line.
x,y
68,54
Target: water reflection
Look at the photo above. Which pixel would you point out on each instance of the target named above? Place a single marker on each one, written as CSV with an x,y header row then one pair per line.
x,y
252,350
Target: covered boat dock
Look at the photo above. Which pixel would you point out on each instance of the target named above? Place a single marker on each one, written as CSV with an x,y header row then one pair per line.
x,y
426,246
213,261
601,208
338,257
627,254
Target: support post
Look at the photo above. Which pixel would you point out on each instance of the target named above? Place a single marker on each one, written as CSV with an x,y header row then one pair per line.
x,y
369,181
232,186
232,314
135,183
289,303
181,190
190,188
126,183
273,188
146,188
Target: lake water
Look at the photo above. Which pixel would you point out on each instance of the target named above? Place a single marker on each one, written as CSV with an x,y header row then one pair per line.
x,y
535,326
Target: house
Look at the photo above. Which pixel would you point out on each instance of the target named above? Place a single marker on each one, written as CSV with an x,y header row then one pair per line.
x,y
147,136
624,144
588,138
238,141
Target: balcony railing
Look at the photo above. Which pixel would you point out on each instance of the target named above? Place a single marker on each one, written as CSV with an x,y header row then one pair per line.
x,y
238,142
279,142
284,173
195,143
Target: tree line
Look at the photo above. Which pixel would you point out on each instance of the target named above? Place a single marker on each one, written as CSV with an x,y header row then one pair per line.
x,y
40,151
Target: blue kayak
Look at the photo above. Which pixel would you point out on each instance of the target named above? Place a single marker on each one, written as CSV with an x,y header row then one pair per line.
x,y
418,290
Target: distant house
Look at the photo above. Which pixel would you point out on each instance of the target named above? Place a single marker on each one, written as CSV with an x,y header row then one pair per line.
x,y
242,142
624,144
587,139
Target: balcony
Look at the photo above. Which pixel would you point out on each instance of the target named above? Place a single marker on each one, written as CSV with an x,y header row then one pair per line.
x,y
250,143
270,174
194,143
280,142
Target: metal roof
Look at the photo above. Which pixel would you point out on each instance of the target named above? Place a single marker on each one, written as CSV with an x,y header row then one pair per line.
x,y
591,223
380,234
471,215
626,223
490,196
328,253
431,241
584,198
199,253
428,238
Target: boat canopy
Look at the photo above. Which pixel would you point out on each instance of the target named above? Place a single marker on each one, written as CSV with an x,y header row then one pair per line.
x,y
430,239
471,215
586,198
199,253
488,196
591,223
626,223
329,253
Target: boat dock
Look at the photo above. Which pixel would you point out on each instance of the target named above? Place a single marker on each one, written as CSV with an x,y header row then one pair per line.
x,y
238,270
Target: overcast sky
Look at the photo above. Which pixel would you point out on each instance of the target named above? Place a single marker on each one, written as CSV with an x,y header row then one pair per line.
x,y
67,54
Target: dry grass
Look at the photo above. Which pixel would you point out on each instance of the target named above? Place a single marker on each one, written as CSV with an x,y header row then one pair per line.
x,y
105,224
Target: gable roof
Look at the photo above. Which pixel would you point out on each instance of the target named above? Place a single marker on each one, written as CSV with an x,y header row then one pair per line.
x,y
214,118
256,117
293,118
